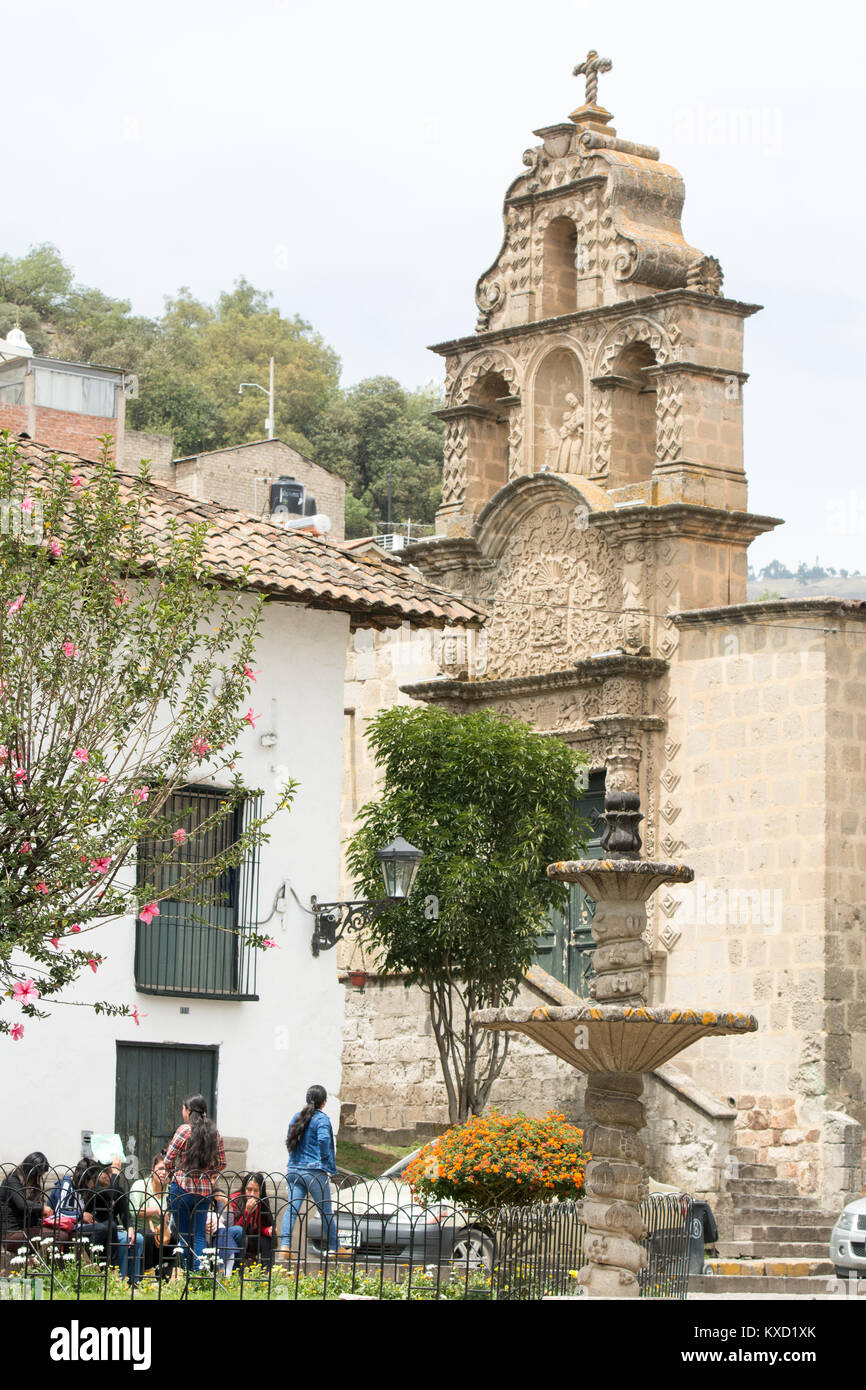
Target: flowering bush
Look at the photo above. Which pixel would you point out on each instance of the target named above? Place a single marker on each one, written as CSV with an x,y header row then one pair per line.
x,y
125,667
495,1160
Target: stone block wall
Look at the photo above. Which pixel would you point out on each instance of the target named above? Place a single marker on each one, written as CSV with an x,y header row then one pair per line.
x,y
392,1080
241,478
753,803
158,448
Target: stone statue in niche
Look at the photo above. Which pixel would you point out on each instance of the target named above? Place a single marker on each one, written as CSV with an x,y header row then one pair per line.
x,y
569,458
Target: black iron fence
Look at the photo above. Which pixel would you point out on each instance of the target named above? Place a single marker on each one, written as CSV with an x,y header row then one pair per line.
x,y
88,1234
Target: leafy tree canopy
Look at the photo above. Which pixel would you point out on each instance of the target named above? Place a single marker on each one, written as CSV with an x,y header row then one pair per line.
x,y
191,360
491,803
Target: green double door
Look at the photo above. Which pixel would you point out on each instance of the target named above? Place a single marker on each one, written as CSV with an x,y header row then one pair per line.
x,y
153,1080
566,949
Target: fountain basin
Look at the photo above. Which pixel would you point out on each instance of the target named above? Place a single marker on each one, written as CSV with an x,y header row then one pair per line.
x,y
631,880
616,1037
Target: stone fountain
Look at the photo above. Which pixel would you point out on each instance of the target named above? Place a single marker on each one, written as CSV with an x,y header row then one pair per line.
x,y
615,1040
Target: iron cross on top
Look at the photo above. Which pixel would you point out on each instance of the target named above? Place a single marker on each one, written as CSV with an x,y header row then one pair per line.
x,y
590,69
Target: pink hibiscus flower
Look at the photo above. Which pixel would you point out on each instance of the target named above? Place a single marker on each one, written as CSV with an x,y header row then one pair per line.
x,y
25,991
56,548
77,481
75,927
141,794
20,775
200,747
82,755
101,865
94,963
249,672
269,942
16,604
179,836
16,1032
102,777
41,888
137,1017
55,942
120,597
70,649
27,504
25,847
250,718
148,912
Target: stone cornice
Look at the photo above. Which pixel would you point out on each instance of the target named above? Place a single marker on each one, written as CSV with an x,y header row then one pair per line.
x,y
589,672
624,308
552,195
773,608
694,369
643,520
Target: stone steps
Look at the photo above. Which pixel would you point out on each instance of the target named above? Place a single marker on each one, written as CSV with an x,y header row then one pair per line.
x,y
774,1187
743,1284
779,1214
771,1268
772,1249
785,1235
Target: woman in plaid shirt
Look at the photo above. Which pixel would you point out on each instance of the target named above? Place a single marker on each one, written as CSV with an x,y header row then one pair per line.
x,y
194,1158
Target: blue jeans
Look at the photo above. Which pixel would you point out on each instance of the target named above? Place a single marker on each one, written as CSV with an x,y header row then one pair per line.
x,y
123,1255
316,1182
189,1210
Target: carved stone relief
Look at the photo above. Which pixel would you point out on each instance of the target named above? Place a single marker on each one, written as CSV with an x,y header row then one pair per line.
x,y
557,595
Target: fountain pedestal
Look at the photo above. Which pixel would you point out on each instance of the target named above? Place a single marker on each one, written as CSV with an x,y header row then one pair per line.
x,y
616,1040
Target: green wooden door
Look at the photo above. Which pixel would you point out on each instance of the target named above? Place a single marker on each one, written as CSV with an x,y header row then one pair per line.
x,y
153,1080
566,949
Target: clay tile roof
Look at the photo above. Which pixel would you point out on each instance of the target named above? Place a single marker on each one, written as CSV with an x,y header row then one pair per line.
x,y
293,569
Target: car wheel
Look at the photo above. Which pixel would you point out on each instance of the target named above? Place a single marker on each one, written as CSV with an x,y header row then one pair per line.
x,y
472,1249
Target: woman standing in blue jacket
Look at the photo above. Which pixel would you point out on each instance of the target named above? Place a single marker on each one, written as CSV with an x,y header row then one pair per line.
x,y
312,1160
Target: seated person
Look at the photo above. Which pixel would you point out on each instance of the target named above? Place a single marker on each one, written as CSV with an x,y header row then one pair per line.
x,y
66,1200
249,1224
22,1200
107,1202
148,1202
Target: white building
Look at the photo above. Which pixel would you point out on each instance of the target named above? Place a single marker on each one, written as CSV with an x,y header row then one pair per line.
x,y
252,1030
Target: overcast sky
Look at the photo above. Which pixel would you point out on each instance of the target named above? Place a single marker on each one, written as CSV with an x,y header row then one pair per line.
x,y
352,158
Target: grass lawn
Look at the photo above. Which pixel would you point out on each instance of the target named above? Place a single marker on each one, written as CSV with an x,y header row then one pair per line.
x,y
369,1162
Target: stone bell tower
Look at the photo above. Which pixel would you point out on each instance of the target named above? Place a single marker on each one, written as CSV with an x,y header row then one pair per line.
x,y
604,349
593,478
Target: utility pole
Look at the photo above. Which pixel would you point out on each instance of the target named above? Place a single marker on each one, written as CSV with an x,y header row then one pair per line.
x,y
254,385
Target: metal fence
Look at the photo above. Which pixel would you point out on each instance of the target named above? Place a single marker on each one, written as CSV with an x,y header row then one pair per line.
x,y
360,1237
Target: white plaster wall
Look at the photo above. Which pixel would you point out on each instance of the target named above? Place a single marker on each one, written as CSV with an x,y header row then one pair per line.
x,y
60,1078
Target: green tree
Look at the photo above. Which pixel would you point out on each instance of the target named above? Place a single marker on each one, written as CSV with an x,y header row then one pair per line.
x,y
491,803
375,431
124,671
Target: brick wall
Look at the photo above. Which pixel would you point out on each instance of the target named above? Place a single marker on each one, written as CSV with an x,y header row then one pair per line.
x,y
60,429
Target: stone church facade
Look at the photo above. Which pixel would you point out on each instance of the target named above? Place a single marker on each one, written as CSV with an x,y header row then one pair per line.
x,y
595,505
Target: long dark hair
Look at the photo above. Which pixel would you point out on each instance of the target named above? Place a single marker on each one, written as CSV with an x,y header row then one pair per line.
x,y
202,1146
265,1217
31,1171
316,1097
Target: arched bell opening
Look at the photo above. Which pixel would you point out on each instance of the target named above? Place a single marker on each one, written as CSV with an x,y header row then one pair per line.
x,y
490,402
633,416
559,269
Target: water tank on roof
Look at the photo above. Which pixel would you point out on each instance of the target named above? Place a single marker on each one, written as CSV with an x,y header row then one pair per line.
x,y
289,498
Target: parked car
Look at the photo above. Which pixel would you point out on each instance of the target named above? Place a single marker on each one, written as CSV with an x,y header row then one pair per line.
x,y
848,1240
380,1220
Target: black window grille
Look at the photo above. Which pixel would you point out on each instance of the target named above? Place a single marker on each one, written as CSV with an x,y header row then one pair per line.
x,y
566,949
199,948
